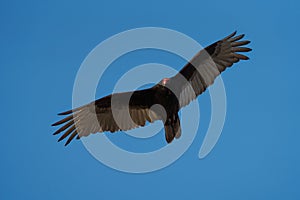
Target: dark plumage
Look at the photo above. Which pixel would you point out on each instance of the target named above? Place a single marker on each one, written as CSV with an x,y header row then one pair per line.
x,y
171,94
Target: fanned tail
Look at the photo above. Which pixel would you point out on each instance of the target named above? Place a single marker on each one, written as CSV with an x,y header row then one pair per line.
x,y
172,128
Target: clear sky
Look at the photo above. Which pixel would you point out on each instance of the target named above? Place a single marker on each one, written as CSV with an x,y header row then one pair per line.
x,y
43,44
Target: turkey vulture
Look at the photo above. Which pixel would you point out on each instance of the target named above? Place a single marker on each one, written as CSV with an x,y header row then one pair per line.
x,y
160,102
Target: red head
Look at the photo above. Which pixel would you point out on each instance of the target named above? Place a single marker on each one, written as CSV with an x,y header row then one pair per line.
x,y
164,81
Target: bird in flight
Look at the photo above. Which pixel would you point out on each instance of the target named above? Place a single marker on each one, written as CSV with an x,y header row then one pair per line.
x,y
128,110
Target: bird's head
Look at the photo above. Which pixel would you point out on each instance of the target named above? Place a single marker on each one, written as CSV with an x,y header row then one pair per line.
x,y
164,81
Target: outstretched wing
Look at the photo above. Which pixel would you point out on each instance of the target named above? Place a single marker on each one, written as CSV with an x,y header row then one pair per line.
x,y
120,111
206,65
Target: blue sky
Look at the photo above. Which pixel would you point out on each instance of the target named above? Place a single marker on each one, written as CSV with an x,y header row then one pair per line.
x,y
42,47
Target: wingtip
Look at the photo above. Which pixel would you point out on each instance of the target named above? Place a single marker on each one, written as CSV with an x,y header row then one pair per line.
x,y
55,124
242,35
60,139
63,137
247,42
56,132
230,36
65,113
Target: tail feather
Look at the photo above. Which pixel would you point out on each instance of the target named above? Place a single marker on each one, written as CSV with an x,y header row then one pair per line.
x,y
177,129
169,133
172,129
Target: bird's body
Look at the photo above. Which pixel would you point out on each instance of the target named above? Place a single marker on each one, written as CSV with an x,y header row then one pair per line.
x,y
169,114
128,110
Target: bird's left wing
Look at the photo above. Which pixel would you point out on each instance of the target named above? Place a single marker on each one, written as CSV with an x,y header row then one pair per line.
x,y
119,111
206,65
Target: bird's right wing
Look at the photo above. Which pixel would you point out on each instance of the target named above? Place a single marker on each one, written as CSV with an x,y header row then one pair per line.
x,y
201,71
119,111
